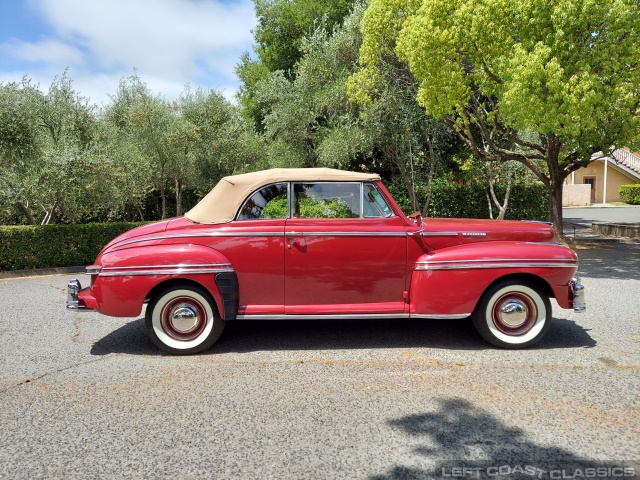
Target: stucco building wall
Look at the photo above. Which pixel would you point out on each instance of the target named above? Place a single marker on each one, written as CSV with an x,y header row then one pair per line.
x,y
595,171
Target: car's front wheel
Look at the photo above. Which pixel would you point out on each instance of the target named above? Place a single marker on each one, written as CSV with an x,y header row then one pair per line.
x,y
512,314
183,320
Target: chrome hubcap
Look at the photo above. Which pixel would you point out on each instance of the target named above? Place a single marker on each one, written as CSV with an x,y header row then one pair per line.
x,y
513,313
184,318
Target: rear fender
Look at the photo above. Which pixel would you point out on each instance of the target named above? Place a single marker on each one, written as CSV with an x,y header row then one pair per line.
x,y
129,276
450,281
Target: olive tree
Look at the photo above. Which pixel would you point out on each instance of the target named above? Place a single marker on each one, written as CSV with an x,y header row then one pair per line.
x,y
47,145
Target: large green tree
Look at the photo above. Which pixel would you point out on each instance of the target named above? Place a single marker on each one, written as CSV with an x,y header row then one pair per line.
x,y
282,27
309,120
545,83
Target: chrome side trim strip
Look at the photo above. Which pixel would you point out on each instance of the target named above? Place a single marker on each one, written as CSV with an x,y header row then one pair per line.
x,y
351,316
196,235
494,260
359,316
439,234
164,270
346,234
180,265
469,266
262,234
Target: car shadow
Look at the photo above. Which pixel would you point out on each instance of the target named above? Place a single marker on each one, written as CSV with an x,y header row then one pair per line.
x,y
460,435
283,335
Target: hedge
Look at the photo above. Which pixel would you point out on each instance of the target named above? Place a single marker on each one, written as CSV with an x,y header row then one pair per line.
x,y
24,247
42,246
526,202
630,194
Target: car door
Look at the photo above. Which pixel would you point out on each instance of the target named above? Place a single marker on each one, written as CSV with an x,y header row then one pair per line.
x,y
254,244
345,254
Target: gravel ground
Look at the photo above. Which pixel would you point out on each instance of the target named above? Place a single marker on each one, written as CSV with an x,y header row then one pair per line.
x,y
88,396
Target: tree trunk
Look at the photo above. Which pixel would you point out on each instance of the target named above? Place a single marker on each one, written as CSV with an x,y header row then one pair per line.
x,y
26,212
503,208
139,210
412,193
556,180
178,197
555,206
164,201
432,168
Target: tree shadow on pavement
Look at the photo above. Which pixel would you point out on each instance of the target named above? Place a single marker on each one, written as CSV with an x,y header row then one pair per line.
x,y
460,435
283,335
619,261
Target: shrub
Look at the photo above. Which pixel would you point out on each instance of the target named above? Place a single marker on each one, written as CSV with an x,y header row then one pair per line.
x,y
41,246
526,202
630,194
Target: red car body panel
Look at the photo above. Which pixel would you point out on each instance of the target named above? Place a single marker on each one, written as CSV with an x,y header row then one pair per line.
x,y
305,267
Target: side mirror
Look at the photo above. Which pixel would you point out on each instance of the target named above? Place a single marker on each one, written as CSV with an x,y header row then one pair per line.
x,y
417,218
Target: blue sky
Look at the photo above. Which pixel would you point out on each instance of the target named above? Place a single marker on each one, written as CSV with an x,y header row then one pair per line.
x,y
169,43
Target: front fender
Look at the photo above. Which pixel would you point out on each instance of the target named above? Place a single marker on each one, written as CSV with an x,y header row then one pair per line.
x,y
127,276
450,281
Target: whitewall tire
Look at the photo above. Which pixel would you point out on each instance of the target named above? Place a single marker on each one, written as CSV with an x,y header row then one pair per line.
x,y
512,314
183,320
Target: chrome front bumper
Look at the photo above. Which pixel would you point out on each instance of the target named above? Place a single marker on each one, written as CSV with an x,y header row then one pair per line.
x,y
577,289
73,287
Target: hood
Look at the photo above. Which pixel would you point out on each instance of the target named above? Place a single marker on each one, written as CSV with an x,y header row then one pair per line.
x,y
446,232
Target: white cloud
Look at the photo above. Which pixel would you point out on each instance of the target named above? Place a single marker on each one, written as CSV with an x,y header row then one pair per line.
x,y
161,37
169,43
49,51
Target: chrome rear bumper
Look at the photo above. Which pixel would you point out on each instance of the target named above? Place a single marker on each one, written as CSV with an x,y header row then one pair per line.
x,y
73,287
577,289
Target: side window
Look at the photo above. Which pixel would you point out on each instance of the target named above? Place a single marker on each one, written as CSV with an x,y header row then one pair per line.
x,y
326,200
268,202
375,205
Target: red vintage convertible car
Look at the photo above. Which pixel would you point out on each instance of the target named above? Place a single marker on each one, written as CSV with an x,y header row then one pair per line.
x,y
319,244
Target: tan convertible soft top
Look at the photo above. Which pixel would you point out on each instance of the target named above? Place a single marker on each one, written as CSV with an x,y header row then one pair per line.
x,y
222,203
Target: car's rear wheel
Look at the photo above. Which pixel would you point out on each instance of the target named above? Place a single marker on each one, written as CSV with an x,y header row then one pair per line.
x,y
183,320
512,314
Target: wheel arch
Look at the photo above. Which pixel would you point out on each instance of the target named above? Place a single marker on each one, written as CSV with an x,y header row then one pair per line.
x,y
223,290
156,268
525,277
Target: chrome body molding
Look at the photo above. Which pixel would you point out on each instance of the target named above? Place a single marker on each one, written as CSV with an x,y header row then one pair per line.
x,y
437,316
495,263
165,270
92,270
262,234
200,235
472,266
439,234
577,289
345,234
351,316
346,316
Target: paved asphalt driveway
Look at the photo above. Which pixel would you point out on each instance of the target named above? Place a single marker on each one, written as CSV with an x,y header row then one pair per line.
x,y
596,213
87,396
